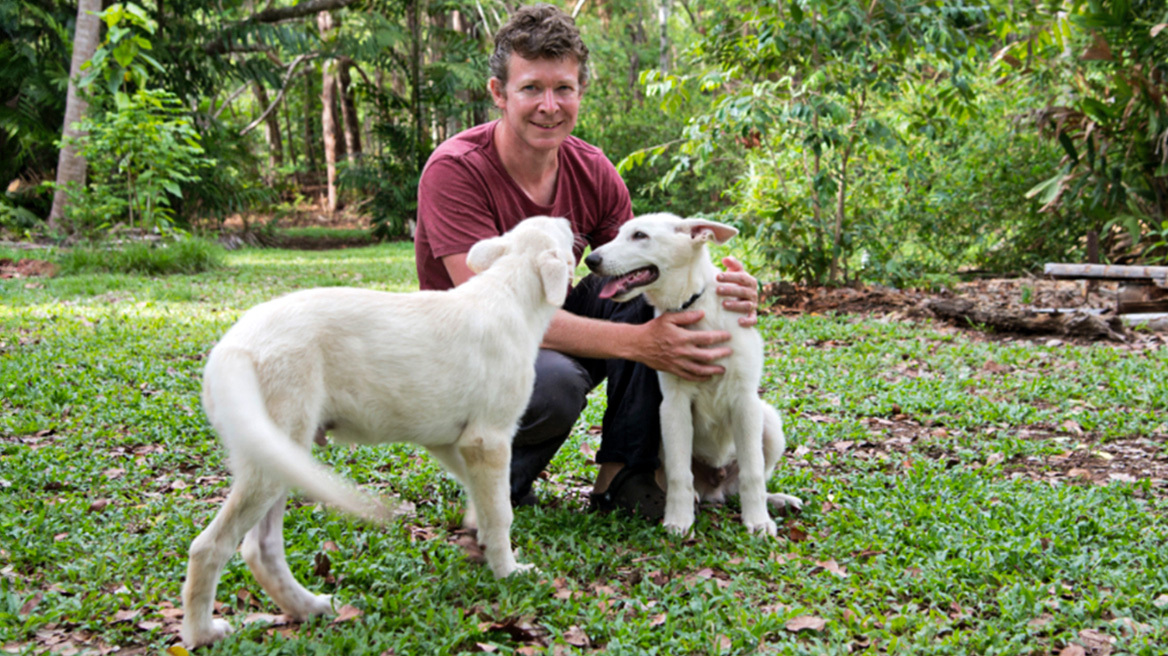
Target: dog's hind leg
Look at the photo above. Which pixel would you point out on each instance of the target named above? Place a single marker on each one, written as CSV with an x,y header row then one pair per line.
x,y
263,551
774,442
250,498
452,460
488,458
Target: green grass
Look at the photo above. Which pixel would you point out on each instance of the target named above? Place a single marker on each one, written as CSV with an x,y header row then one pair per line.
x,y
947,547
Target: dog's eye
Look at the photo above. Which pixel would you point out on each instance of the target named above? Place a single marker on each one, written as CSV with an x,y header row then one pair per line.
x,y
640,235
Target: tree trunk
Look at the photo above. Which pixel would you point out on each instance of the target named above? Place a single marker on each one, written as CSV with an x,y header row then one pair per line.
x,y
328,120
352,125
70,164
414,17
271,132
309,136
663,21
637,37
292,157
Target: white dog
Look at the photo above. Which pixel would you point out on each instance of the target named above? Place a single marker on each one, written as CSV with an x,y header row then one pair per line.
x,y
710,423
451,371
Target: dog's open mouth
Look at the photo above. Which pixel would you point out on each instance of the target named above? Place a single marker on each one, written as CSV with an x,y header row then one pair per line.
x,y
623,283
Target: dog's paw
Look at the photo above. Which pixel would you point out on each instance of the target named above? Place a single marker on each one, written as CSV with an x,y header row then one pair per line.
x,y
310,606
214,631
765,526
678,525
784,503
512,569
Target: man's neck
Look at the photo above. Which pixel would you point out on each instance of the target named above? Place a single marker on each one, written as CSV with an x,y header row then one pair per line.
x,y
533,170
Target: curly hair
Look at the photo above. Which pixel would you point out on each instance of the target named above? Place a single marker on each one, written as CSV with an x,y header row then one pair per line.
x,y
539,31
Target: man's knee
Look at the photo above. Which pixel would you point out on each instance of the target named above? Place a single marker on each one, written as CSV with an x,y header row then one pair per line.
x,y
560,394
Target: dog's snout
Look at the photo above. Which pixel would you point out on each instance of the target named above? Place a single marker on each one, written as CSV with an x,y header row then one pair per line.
x,y
593,261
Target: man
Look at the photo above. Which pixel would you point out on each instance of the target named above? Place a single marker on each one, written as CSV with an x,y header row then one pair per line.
x,y
483,181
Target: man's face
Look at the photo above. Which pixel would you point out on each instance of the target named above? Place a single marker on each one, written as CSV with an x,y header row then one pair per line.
x,y
540,100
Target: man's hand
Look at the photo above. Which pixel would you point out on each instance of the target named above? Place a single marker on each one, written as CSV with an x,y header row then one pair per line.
x,y
739,291
667,345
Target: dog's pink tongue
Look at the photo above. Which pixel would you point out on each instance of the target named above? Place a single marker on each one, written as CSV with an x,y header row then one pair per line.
x,y
613,287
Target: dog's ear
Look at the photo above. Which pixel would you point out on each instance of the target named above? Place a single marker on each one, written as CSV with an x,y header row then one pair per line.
x,y
555,274
484,253
702,230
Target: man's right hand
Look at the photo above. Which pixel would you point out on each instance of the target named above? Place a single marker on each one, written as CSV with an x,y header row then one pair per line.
x,y
666,344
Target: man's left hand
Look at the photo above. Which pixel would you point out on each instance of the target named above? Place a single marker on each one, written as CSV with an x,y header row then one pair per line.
x,y
739,291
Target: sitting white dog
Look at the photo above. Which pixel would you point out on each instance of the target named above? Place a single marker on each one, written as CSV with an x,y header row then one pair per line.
x,y
451,371
711,424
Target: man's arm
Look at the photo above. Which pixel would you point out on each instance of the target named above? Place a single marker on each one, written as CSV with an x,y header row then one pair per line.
x,y
663,344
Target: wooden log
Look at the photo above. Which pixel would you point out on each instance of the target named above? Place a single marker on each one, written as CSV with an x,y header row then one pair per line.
x,y
1073,324
1142,298
1157,275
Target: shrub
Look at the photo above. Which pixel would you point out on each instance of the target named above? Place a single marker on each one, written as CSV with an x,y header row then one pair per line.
x,y
184,256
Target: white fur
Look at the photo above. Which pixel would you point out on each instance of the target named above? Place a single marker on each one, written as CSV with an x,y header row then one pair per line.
x,y
451,371
718,421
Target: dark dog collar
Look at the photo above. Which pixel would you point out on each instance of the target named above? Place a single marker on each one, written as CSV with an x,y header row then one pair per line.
x,y
692,299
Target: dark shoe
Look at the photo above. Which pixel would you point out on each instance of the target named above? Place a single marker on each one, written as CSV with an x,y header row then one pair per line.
x,y
634,491
525,501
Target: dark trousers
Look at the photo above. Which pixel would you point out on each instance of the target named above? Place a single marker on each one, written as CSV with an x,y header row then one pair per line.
x,y
631,431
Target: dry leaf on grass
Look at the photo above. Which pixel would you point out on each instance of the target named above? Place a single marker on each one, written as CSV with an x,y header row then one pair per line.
x,y
346,613
805,623
1073,650
576,637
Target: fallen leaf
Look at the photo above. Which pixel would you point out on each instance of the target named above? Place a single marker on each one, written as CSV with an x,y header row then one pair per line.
x,y
99,505
321,565
274,620
576,637
149,626
347,613
1079,472
126,615
833,567
31,603
659,619
796,534
994,458
1161,601
805,623
1096,640
1072,650
329,545
487,647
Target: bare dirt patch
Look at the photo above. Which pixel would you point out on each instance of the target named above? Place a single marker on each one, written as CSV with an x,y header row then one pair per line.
x,y
26,269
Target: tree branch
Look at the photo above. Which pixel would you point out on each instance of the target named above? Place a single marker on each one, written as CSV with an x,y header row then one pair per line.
x,y
222,43
279,96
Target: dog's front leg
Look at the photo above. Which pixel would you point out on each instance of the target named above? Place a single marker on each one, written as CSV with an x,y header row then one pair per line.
x,y
488,461
748,442
677,445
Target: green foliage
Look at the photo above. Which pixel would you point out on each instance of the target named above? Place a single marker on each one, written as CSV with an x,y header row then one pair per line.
x,y
34,70
1102,66
799,92
389,180
187,255
139,153
122,57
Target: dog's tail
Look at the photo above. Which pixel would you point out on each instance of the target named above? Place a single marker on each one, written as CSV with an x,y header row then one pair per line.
x,y
238,411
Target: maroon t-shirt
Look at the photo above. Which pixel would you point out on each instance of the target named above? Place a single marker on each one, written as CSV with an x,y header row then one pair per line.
x,y
465,195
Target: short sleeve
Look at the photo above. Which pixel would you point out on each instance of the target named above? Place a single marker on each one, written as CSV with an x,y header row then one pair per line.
x,y
454,207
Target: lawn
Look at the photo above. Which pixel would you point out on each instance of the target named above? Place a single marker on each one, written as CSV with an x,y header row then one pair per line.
x,y
964,495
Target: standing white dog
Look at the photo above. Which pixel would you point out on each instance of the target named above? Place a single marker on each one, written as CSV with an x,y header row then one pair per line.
x,y
717,421
451,371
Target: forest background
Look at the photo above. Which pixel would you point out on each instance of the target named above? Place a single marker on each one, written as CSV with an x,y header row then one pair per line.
x,y
877,141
